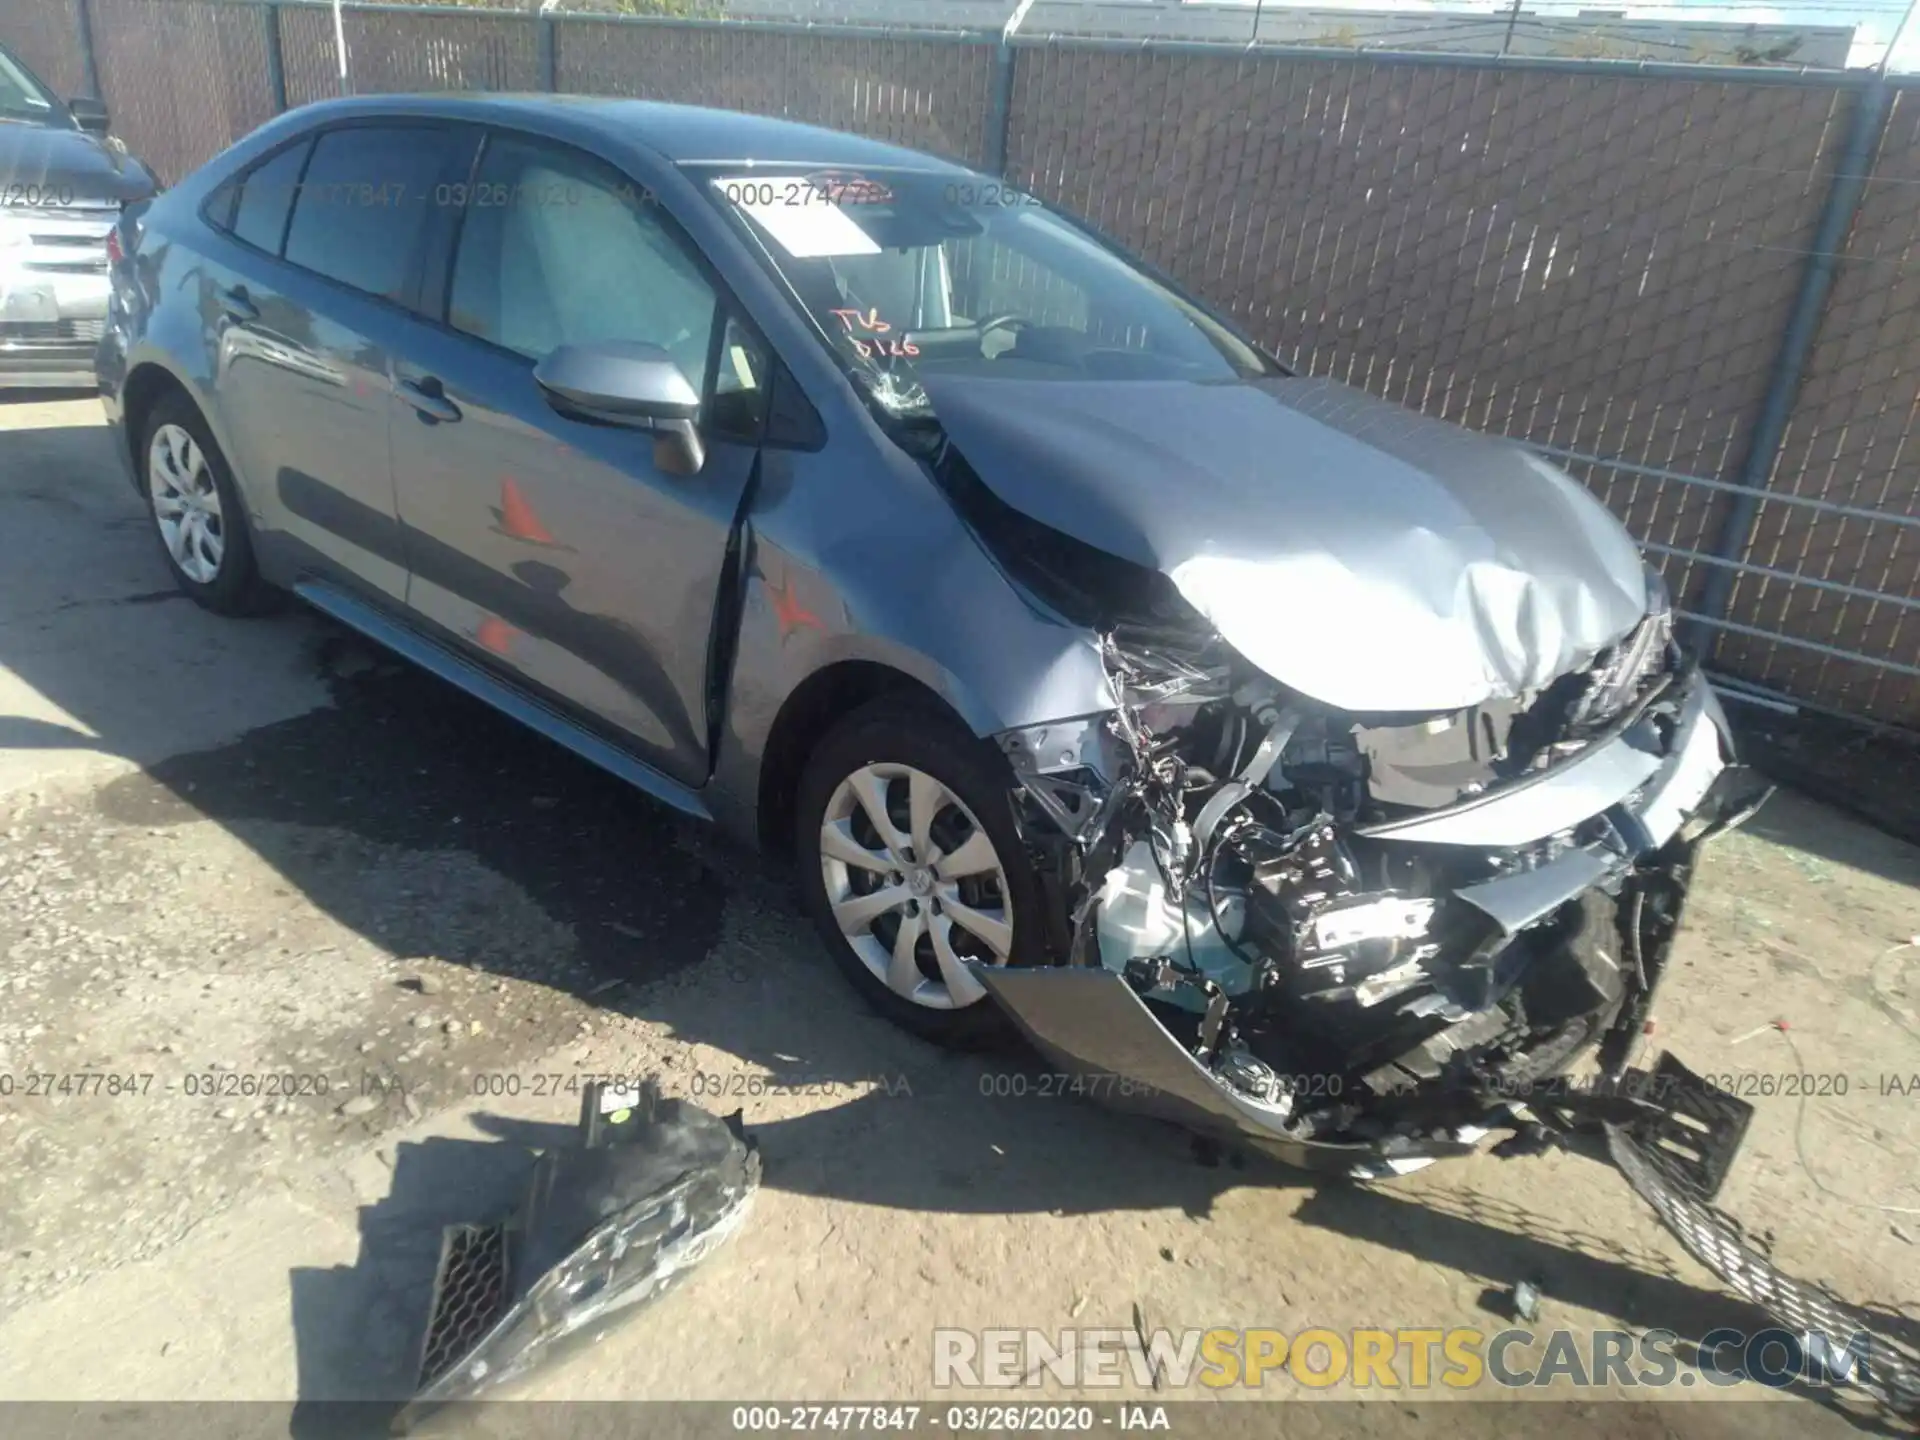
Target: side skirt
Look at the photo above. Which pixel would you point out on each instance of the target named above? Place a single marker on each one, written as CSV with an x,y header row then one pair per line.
x,y
437,659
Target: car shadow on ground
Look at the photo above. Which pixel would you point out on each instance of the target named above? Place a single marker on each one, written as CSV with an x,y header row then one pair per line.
x,y
402,763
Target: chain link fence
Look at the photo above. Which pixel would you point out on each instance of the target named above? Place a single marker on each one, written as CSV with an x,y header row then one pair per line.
x,y
1691,285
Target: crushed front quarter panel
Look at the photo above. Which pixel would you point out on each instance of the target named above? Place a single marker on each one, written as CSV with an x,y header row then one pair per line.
x,y
1366,556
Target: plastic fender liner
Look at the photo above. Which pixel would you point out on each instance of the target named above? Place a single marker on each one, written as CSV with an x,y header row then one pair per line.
x,y
654,1186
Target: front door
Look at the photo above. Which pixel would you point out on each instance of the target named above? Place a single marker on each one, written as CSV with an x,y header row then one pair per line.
x,y
553,548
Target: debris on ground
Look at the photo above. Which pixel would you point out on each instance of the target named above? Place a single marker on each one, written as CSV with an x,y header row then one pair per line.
x,y
1526,1301
653,1186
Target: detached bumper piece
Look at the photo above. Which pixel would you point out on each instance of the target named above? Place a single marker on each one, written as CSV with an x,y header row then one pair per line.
x,y
653,1187
1675,1161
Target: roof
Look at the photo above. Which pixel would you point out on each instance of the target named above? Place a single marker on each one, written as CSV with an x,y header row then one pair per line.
x,y
683,134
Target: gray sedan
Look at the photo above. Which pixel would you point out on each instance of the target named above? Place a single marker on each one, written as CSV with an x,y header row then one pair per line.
x,y
1264,746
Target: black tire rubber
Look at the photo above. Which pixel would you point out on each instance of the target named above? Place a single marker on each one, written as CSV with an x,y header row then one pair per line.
x,y
920,734
238,590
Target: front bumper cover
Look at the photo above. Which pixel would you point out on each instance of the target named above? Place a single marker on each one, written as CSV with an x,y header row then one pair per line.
x,y
1089,1024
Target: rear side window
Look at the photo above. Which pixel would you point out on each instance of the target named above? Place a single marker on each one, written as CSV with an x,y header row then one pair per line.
x,y
367,194
266,194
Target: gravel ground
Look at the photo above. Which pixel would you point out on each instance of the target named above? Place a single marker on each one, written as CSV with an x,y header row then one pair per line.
x,y
345,942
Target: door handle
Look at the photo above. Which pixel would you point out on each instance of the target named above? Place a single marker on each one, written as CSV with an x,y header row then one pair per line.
x,y
237,303
429,398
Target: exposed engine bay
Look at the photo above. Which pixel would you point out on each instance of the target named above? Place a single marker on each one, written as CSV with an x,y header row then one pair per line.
x,y
1366,932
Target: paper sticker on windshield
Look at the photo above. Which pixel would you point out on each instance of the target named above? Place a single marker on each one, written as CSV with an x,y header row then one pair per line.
x,y
801,217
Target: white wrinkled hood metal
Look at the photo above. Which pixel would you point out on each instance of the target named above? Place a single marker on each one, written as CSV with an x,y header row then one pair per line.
x,y
1366,556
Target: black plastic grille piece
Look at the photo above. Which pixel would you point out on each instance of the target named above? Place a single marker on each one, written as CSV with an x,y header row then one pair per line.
x,y
469,1295
1859,1348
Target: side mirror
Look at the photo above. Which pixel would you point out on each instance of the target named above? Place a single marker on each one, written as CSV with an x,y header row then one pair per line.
x,y
622,382
90,114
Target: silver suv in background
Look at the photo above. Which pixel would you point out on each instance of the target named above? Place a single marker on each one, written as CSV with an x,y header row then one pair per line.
x,y
63,180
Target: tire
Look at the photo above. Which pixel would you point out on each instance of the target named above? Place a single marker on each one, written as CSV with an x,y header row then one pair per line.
x,y
179,479
872,751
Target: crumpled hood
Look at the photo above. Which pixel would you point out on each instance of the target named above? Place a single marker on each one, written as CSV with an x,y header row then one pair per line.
x,y
73,163
1364,555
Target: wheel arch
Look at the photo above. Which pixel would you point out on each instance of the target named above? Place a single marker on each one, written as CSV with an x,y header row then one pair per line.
x,y
147,384
814,707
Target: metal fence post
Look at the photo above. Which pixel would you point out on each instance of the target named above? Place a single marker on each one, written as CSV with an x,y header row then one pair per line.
x,y
1000,109
276,62
1849,188
549,47
90,65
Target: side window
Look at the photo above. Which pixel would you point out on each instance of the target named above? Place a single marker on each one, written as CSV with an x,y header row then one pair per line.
x,y
219,206
559,249
363,202
266,194
739,400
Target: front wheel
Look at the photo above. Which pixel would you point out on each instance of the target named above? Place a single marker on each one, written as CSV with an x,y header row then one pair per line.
x,y
913,869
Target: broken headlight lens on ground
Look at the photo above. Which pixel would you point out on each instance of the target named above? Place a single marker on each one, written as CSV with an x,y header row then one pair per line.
x,y
653,1186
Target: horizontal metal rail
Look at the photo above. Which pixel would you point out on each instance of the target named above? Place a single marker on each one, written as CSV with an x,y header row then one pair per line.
x,y
1747,567
1878,662
668,22
1771,497
1470,60
1752,692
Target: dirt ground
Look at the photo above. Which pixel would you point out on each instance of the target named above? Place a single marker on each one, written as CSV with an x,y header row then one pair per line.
x,y
239,850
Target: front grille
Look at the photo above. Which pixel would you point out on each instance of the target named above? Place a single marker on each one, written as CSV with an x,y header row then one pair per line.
x,y
53,332
92,265
70,241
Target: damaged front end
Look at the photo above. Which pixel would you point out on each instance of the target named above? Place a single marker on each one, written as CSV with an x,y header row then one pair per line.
x,y
1357,939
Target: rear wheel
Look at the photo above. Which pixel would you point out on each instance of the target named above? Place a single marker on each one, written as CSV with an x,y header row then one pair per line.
x,y
197,512
913,870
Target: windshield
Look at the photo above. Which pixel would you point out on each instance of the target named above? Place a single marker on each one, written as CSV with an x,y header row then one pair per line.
x,y
22,96
910,273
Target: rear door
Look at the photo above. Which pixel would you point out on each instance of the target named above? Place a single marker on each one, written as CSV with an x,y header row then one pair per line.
x,y
551,548
329,239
